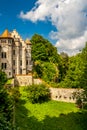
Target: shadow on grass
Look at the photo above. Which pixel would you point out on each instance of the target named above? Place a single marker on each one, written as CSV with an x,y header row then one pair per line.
x,y
71,121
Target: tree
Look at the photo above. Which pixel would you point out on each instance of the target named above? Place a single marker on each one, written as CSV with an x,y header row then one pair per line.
x,y
83,80
5,104
63,65
74,73
43,50
38,93
76,76
45,58
3,78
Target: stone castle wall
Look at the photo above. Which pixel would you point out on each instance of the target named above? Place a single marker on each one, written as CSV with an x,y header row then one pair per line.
x,y
63,94
58,94
25,80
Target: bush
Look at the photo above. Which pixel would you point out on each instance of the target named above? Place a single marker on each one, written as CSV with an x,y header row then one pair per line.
x,y
15,94
81,98
4,125
38,93
3,78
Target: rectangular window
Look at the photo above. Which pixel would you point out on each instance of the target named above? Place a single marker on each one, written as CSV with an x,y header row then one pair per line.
x,y
21,62
3,54
9,73
3,41
4,65
9,41
14,71
26,62
13,52
13,62
20,71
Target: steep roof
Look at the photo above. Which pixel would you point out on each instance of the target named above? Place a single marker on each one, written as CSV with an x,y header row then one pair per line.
x,y
6,34
27,41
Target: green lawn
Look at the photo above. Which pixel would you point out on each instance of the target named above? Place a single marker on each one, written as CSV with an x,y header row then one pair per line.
x,y
50,115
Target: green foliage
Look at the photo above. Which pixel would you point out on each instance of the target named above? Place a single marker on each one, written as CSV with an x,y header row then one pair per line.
x,y
14,93
46,70
74,73
50,72
45,58
70,72
38,93
52,115
4,124
9,81
3,78
83,80
63,66
43,50
81,98
6,104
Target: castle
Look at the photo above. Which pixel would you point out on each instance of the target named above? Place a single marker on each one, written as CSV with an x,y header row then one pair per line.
x,y
15,54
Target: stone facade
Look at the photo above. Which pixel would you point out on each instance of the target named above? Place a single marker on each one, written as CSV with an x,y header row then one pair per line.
x,y
26,80
63,94
15,54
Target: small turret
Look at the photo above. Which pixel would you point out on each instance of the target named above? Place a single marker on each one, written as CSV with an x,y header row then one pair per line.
x,y
6,34
27,41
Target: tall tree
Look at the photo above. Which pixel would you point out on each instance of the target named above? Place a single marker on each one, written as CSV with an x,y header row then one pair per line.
x,y
43,50
83,80
74,72
45,58
63,65
5,104
76,76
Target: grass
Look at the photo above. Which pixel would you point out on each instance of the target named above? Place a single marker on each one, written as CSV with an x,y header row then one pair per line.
x,y
9,81
50,115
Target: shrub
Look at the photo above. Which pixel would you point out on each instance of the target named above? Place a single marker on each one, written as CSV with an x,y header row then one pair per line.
x,y
81,98
3,78
38,93
15,94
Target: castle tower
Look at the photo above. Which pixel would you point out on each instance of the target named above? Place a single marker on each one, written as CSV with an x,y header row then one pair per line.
x,y
15,54
20,48
6,53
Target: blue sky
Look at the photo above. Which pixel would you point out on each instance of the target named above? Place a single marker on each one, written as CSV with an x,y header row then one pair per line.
x,y
9,19
63,22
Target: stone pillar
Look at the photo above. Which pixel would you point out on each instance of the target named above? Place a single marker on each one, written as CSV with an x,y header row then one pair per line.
x,y
18,59
29,64
23,60
9,61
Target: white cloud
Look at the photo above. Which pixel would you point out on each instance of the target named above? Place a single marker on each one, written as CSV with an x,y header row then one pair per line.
x,y
68,16
72,46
